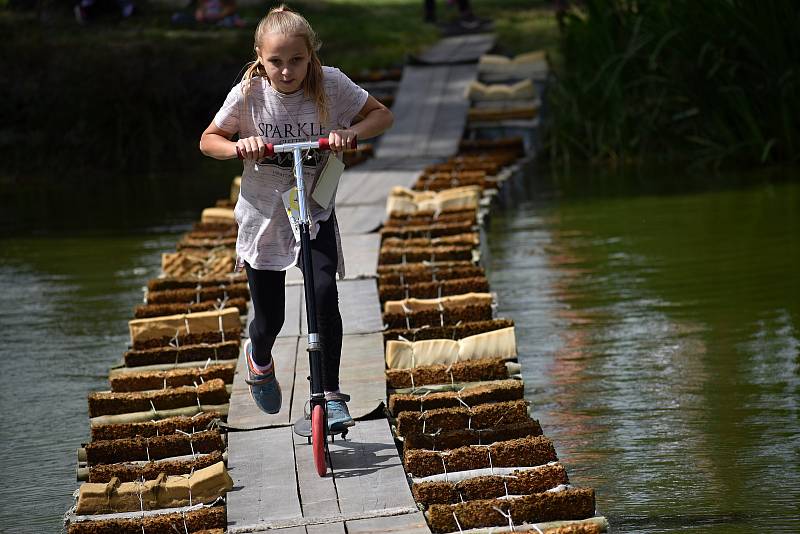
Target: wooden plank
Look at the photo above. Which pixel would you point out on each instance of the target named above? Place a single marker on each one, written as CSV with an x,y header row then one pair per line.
x,y
398,524
329,528
451,115
317,495
359,306
373,187
428,127
243,412
261,464
459,49
360,219
369,474
361,373
360,257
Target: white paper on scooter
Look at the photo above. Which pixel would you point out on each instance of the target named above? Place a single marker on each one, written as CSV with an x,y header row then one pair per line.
x,y
292,206
327,181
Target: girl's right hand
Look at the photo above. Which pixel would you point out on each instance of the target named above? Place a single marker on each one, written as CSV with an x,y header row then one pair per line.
x,y
251,148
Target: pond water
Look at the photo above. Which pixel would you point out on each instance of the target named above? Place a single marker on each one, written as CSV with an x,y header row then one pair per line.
x,y
659,336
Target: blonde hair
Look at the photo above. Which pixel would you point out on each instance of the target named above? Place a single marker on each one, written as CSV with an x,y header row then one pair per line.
x,y
284,21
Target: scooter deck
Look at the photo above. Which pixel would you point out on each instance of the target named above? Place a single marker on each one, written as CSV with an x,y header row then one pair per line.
x,y
302,427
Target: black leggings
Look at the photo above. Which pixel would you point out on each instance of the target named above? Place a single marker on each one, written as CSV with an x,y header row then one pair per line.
x,y
268,297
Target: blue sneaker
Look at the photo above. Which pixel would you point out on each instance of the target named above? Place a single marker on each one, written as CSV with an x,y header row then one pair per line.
x,y
264,387
339,418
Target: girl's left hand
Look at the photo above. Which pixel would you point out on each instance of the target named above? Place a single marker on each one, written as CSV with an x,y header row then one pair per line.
x,y
340,140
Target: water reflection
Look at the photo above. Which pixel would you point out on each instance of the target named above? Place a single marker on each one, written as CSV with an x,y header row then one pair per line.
x,y
659,342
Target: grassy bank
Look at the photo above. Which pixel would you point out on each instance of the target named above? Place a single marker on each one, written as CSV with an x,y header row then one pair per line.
x,y
132,96
714,83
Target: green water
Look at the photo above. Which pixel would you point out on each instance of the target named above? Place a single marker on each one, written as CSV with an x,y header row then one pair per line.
x,y
659,336
660,343
73,260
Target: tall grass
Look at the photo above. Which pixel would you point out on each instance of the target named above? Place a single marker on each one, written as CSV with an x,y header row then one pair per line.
x,y
715,82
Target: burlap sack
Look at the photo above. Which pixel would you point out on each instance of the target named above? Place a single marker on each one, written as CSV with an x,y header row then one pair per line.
x,y
407,354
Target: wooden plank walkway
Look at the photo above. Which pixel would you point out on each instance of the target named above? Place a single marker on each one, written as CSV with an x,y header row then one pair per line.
x,y
366,491
458,49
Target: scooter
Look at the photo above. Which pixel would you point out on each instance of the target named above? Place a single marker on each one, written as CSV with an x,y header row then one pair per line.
x,y
314,424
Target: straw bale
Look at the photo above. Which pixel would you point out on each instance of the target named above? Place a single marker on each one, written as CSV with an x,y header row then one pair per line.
x,y
153,448
203,486
468,238
503,390
477,417
143,329
502,114
186,340
217,215
168,296
575,503
406,254
191,282
448,316
127,472
212,392
431,217
451,301
171,425
457,331
489,487
173,378
220,227
160,310
205,243
201,264
425,266
196,521
226,232
435,229
494,344
433,289
227,350
521,452
470,371
459,438
404,200
430,273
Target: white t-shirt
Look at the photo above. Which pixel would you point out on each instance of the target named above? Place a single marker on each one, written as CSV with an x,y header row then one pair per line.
x,y
265,239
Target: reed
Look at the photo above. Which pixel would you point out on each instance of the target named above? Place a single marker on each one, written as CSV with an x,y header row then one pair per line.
x,y
712,82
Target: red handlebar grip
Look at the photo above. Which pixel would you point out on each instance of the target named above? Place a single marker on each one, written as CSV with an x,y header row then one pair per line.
x,y
269,150
324,144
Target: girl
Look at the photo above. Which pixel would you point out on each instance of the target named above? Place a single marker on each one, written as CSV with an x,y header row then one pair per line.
x,y
286,95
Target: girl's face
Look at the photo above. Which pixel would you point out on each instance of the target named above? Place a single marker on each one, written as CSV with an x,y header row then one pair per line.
x,y
286,59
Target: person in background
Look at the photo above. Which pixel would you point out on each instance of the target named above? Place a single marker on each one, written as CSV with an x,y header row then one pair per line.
x,y
216,12
85,9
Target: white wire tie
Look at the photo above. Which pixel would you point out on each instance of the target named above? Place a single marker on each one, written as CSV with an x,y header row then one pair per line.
x,y
208,362
507,515
537,529
197,289
457,523
153,406
147,448
175,341
186,323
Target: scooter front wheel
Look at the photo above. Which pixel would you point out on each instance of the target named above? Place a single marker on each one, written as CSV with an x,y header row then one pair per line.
x,y
318,439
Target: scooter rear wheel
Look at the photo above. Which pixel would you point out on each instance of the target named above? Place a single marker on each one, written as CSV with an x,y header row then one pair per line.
x,y
318,439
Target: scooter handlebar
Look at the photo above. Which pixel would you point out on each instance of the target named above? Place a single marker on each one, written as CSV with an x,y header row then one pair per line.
x,y
322,144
